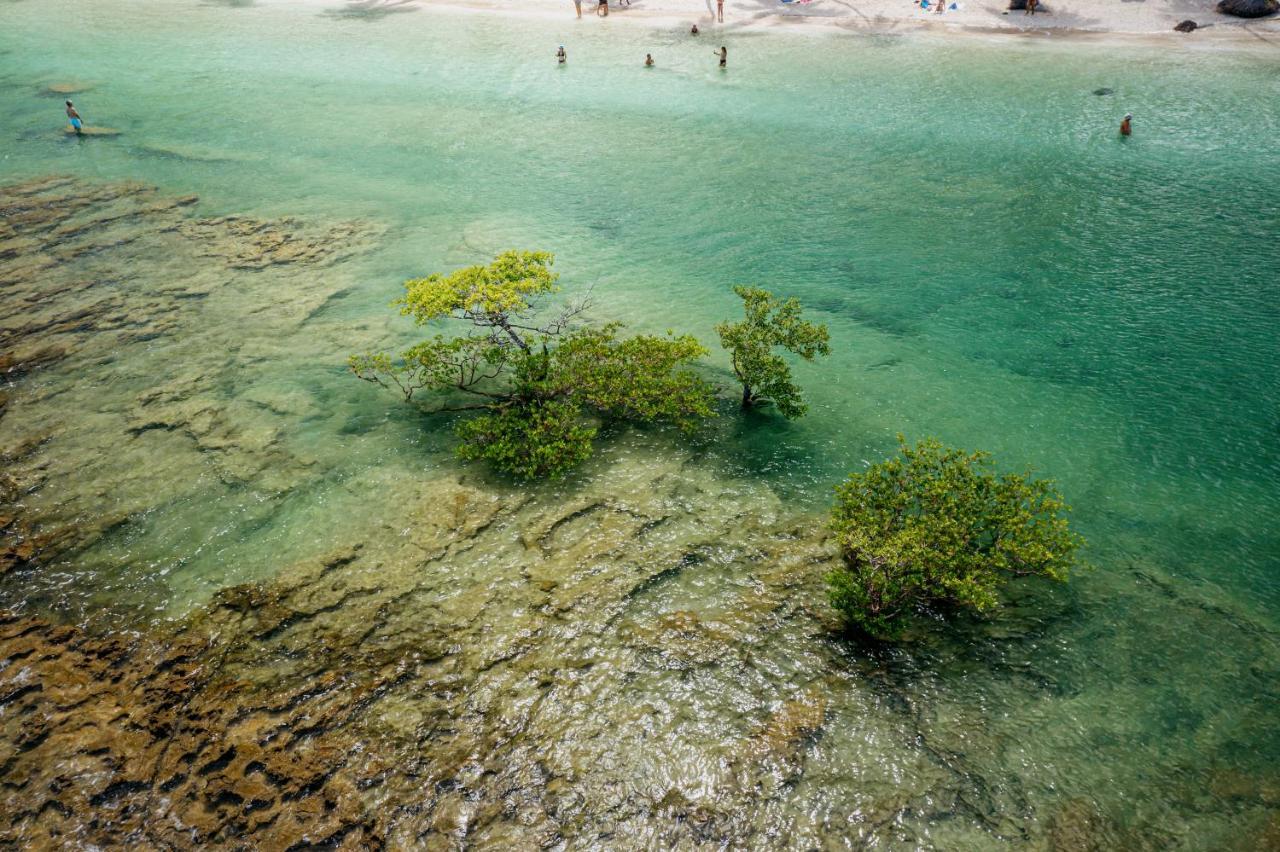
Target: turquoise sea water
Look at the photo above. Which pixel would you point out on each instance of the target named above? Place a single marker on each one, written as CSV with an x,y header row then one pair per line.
x,y
997,267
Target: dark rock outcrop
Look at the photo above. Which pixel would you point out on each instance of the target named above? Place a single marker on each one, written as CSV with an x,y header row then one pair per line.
x,y
1186,27
1249,8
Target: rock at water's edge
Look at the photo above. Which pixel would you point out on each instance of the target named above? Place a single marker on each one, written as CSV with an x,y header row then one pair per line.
x,y
1186,27
1249,8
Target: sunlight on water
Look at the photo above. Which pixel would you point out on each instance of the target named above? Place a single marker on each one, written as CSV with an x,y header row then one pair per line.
x,y
997,268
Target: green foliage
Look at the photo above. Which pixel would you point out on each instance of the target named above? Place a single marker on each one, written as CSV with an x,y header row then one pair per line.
x,y
543,438
770,324
938,525
541,384
510,285
436,364
637,378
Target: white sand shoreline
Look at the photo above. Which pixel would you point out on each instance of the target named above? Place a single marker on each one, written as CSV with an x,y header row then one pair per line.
x,y
1094,20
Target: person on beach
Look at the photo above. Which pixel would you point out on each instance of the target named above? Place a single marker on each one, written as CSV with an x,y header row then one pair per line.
x,y
602,9
561,56
577,5
694,31
720,11
74,117
648,60
1125,128
1031,7
723,53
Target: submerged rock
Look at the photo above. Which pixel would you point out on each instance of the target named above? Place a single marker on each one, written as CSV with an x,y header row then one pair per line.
x,y
1104,91
1249,8
92,130
61,90
1077,826
369,696
790,728
92,274
117,740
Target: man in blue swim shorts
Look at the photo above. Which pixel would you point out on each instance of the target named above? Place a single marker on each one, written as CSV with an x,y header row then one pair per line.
x,y
74,117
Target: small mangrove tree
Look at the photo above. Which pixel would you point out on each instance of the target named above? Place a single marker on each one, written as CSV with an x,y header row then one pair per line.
x,y
935,525
770,324
540,385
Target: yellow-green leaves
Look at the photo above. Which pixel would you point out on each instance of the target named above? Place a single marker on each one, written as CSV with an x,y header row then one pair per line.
x,y
508,286
938,525
643,378
769,324
541,383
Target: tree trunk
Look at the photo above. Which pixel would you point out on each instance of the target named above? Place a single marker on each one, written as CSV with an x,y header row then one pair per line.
x,y
748,398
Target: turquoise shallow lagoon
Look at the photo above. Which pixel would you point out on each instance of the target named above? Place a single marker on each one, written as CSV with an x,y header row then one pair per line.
x,y
997,267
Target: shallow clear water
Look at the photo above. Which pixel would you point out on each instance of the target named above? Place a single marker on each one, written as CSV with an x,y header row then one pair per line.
x,y
997,268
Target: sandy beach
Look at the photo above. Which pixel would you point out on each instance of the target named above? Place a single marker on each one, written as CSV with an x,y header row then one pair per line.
x,y
1055,17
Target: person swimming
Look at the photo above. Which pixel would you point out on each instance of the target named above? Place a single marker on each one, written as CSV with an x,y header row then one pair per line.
x,y
561,56
1125,128
694,31
648,60
74,117
723,53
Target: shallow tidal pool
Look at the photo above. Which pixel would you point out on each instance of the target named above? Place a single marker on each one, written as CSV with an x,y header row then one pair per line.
x,y
392,647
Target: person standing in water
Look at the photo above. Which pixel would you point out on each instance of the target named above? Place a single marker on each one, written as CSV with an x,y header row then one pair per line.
x,y
648,60
1125,128
602,9
723,53
561,56
720,11
1031,7
694,31
74,117
577,5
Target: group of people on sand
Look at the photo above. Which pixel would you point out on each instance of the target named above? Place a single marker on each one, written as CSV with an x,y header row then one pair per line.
x,y
602,8
562,56
937,6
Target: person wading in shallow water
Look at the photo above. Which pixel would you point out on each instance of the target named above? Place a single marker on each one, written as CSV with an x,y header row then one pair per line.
x,y
648,60
723,53
1125,128
74,117
694,31
720,11
561,56
602,9
577,5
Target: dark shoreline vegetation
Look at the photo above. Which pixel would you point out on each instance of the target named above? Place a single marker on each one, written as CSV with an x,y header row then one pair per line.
x,y
933,526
